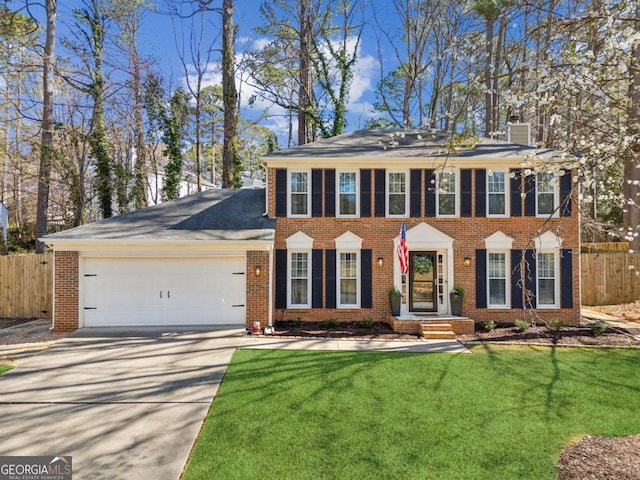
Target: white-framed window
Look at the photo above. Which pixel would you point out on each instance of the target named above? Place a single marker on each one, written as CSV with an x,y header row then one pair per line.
x,y
299,194
446,194
497,204
299,283
348,280
498,279
547,192
397,194
347,198
547,279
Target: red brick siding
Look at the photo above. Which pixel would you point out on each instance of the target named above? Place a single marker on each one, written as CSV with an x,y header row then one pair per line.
x,y
468,234
65,292
257,307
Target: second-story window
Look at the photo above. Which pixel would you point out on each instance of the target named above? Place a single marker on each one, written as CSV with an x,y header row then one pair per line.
x,y
497,194
299,193
446,197
546,194
347,194
397,194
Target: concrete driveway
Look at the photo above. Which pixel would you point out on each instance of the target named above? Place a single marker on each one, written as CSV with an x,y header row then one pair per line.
x,y
123,404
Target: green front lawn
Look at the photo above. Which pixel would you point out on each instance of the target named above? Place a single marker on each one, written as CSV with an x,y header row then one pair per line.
x,y
4,369
501,413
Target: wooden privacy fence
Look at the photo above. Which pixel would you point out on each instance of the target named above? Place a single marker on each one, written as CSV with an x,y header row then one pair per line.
x,y
26,286
610,278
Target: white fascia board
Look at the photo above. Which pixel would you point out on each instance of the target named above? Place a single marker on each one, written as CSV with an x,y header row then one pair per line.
x,y
157,247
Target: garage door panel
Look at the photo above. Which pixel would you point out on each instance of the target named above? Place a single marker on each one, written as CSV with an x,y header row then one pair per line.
x,y
164,291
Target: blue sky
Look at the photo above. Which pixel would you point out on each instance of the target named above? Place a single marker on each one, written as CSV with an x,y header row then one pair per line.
x,y
157,40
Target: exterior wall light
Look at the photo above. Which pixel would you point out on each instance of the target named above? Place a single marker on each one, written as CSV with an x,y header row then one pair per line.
x,y
258,270
380,261
467,261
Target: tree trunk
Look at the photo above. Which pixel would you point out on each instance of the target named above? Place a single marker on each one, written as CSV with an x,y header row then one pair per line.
x,y
140,167
229,94
488,74
46,150
306,79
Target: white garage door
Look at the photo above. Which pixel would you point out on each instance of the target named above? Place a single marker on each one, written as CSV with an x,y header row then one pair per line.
x,y
163,291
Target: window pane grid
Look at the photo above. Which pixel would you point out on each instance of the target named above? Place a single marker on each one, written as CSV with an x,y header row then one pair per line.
x,y
348,278
496,188
299,278
347,193
446,193
497,273
546,279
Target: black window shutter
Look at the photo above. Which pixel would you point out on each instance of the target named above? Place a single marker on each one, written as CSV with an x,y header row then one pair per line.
x,y
366,280
515,187
481,192
531,277
565,194
481,278
516,279
415,195
316,192
566,278
329,193
281,192
316,278
530,199
429,193
465,192
281,278
365,193
330,285
380,193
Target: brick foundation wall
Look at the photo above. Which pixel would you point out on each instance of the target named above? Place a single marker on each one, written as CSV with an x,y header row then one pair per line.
x,y
65,291
468,234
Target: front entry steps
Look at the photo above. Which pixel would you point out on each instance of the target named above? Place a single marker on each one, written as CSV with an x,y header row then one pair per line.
x,y
437,331
411,323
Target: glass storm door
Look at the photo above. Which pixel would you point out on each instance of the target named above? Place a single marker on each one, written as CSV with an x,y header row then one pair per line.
x,y
423,279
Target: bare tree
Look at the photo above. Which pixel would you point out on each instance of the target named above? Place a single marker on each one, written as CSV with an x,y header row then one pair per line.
x,y
46,148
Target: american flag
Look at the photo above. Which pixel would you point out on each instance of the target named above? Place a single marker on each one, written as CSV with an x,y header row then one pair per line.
x,y
403,251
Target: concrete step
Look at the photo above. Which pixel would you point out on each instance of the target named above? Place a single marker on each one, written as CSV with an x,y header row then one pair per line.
x,y
438,335
424,326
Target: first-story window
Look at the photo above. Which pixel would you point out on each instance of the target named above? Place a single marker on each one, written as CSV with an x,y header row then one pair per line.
x,y
547,279
348,279
299,279
446,194
497,279
299,192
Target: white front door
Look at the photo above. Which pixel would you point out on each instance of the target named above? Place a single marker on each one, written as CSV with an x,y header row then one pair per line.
x,y
141,291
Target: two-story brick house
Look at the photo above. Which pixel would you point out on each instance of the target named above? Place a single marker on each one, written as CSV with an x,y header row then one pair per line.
x,y
475,218
495,218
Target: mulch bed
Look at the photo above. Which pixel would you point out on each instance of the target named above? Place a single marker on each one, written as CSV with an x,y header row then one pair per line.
x,y
599,458
541,335
377,331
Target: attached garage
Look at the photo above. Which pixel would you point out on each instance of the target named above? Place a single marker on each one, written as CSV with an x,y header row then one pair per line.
x,y
199,260
163,291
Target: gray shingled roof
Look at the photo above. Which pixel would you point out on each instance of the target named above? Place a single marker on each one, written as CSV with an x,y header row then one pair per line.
x,y
214,215
377,144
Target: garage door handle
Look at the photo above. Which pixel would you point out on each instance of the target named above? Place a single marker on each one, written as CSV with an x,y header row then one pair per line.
x,y
239,305
168,294
160,293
